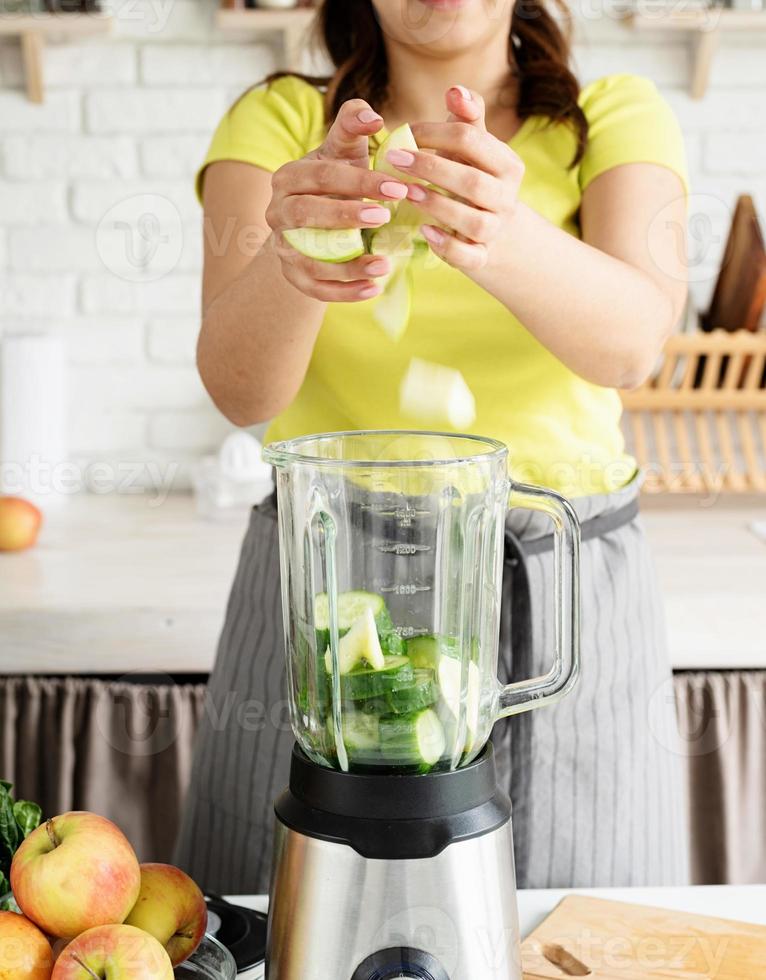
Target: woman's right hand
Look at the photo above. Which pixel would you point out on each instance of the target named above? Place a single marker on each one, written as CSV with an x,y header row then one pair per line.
x,y
328,189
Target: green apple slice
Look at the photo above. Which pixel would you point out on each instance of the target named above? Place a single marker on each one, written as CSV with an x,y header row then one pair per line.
x,y
327,244
397,238
360,643
435,394
392,309
400,139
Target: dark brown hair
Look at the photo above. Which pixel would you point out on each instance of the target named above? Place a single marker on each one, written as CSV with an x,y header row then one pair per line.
x,y
539,53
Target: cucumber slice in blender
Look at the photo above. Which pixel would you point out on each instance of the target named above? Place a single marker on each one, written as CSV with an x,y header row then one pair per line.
x,y
422,693
327,244
351,606
366,683
361,732
415,739
360,644
400,139
426,651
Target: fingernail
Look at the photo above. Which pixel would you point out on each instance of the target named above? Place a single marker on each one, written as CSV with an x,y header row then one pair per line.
x,y
377,268
392,189
368,116
375,216
416,193
432,235
463,92
369,291
400,158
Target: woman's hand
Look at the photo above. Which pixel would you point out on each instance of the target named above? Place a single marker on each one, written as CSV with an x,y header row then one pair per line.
x,y
327,189
480,172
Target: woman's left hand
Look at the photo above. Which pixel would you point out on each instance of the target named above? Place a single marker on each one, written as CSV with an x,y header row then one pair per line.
x,y
482,174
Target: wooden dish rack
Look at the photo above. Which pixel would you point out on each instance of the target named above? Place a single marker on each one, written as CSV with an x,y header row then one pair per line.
x,y
700,424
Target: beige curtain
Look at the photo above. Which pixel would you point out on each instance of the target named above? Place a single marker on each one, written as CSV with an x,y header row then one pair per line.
x,y
120,749
722,719
125,750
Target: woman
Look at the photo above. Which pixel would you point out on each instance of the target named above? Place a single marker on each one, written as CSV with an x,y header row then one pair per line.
x,y
557,283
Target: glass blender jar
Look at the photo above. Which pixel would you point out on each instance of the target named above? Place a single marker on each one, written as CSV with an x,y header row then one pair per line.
x,y
392,556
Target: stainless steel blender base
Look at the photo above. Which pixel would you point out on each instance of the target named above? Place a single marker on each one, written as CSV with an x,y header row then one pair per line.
x,y
332,910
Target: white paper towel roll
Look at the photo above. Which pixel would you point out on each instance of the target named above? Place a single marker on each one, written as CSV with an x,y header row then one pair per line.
x,y
33,426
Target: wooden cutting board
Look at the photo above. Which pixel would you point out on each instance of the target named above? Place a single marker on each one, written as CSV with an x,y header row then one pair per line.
x,y
604,940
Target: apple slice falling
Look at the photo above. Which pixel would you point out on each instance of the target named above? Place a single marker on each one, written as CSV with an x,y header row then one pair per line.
x,y
436,395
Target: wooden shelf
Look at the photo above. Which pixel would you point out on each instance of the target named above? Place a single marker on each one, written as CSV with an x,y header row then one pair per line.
x,y
293,24
34,30
705,26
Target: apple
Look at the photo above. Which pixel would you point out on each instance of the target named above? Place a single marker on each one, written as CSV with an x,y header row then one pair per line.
x,y
171,908
25,953
115,952
19,524
74,872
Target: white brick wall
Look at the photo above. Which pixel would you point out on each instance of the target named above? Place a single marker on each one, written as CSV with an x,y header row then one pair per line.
x,y
132,116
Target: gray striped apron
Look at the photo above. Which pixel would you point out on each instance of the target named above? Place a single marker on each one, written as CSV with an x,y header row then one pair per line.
x,y
596,780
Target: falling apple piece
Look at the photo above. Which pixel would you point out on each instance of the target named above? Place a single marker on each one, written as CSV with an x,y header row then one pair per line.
x,y
393,307
436,395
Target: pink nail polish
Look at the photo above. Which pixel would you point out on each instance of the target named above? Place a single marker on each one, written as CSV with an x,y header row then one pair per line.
x,y
369,291
416,193
392,189
400,158
433,235
375,216
463,92
378,268
367,116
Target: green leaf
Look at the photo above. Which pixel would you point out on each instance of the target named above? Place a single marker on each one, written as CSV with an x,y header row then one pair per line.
x,y
10,832
28,816
6,784
8,904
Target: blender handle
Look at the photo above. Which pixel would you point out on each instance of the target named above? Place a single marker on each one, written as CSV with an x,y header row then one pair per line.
x,y
559,681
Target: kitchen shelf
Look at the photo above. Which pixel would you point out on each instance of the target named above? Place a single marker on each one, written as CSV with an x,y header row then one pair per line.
x,y
705,26
35,30
292,23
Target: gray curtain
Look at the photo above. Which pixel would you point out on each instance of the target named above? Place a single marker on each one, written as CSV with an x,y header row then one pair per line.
x,y
120,749
722,719
125,749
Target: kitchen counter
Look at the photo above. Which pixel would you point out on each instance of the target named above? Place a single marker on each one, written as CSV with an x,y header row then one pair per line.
x,y
746,903
123,583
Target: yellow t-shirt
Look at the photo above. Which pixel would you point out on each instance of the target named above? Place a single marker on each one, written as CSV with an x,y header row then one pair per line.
x,y
561,431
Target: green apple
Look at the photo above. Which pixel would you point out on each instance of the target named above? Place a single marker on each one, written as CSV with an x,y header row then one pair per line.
x,y
25,953
434,395
74,872
361,643
171,908
400,139
327,244
392,308
115,952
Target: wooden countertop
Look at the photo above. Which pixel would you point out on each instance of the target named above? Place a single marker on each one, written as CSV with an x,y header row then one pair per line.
x,y
123,584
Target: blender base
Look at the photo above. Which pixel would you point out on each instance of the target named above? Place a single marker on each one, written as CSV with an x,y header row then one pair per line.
x,y
431,896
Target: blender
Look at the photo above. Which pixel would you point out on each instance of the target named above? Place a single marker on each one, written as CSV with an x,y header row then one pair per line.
x,y
393,847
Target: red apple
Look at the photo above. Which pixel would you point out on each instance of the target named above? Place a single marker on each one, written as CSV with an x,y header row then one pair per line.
x,y
75,872
171,908
19,524
25,953
116,952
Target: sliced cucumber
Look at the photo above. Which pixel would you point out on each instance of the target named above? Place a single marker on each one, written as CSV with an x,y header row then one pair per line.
x,y
415,739
360,645
361,732
400,139
422,693
351,606
426,651
327,244
363,684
